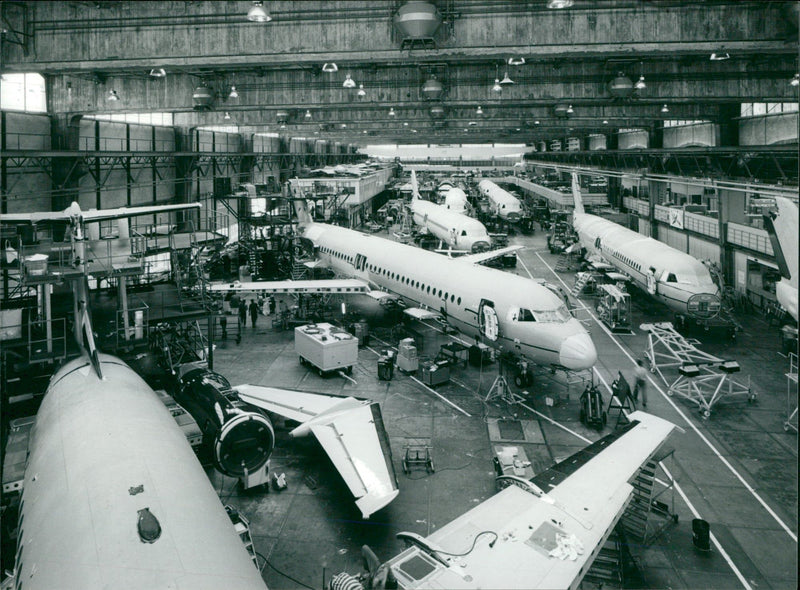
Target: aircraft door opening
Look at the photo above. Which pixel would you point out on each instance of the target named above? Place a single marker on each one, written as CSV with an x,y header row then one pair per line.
x,y
361,262
487,320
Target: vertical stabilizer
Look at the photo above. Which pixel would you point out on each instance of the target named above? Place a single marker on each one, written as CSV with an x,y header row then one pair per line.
x,y
414,186
576,194
782,227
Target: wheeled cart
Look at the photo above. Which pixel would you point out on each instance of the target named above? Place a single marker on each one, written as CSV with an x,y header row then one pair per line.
x,y
326,347
417,451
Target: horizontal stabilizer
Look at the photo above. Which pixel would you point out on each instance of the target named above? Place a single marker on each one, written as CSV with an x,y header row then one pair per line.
x,y
351,431
488,255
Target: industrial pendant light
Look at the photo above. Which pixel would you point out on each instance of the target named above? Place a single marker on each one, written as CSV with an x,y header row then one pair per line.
x,y
665,109
479,111
516,61
570,110
361,92
330,67
391,112
258,14
227,116
158,73
640,84
795,81
348,82
112,95
308,114
506,79
233,93
497,87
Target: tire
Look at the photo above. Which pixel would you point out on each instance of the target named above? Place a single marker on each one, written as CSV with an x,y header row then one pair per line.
x,y
518,381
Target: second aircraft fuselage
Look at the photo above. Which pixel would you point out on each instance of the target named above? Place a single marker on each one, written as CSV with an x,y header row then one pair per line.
x,y
531,320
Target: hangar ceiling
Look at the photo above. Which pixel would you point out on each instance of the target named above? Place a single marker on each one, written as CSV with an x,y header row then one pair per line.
x,y
572,56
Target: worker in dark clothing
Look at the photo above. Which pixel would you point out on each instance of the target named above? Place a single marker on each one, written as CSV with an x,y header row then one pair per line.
x,y
271,305
242,313
253,312
640,374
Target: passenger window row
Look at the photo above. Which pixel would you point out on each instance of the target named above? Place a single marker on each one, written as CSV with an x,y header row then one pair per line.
x,y
629,261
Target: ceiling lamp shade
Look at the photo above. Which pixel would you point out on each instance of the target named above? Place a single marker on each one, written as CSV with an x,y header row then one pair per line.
x,y
506,79
516,61
330,67
665,109
344,125
281,116
348,82
308,114
537,122
391,112
558,4
795,81
719,56
479,111
227,116
432,89
437,111
112,95
417,20
233,93
258,14
640,83
405,123
570,110
621,86
605,121
158,73
361,92
203,98
497,87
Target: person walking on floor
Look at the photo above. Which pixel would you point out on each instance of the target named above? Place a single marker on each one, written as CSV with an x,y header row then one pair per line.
x,y
242,313
253,312
640,374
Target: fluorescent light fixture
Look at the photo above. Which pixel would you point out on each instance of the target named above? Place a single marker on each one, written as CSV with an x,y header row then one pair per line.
x,y
640,84
605,121
516,61
112,95
391,112
227,116
497,87
479,111
558,4
536,122
233,93
719,56
344,125
795,81
472,123
361,91
413,131
405,123
258,14
570,110
158,72
665,109
506,79
348,82
308,114
330,67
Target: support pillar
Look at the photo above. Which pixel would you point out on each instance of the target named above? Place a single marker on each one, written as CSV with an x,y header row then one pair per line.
x,y
122,287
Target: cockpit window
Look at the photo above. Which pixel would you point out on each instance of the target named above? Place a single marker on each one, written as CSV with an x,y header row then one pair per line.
x,y
525,315
463,232
557,316
671,278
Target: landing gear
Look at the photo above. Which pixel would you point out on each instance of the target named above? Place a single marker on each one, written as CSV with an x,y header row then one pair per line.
x,y
523,379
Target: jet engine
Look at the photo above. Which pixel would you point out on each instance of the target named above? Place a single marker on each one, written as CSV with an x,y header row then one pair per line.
x,y
241,440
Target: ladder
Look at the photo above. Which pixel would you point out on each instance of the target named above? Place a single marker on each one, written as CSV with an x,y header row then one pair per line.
x,y
580,282
607,566
634,521
563,264
242,527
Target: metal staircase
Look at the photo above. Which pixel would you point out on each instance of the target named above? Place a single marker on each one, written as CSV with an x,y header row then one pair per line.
x,y
607,567
580,282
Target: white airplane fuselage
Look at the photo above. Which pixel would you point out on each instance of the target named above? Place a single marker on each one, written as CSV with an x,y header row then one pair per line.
x,y
460,291
455,199
503,204
103,451
455,229
676,276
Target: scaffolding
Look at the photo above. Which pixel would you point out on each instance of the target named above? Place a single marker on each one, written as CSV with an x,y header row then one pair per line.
x,y
791,394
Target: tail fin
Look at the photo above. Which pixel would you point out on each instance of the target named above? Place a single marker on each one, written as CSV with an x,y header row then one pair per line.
x,y
414,186
576,194
300,204
782,228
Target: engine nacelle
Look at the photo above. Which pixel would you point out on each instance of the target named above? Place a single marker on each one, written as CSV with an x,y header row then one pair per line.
x,y
240,440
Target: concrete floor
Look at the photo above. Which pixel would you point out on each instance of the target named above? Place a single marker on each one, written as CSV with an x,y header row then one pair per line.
x,y
737,470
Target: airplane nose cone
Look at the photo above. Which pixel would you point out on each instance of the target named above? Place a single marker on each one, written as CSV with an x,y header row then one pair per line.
x,y
480,246
577,352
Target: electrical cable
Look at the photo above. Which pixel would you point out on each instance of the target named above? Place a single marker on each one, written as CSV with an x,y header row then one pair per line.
x,y
474,541
277,571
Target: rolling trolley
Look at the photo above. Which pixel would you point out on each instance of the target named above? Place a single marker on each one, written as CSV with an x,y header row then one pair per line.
x,y
417,452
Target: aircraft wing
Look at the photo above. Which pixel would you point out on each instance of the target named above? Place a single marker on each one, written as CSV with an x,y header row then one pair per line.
x,y
92,215
419,313
351,431
311,286
488,255
539,534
